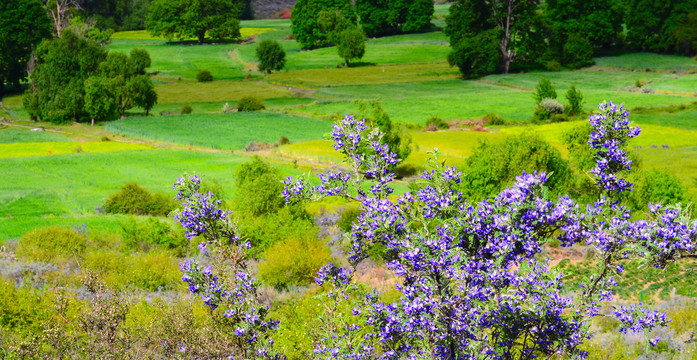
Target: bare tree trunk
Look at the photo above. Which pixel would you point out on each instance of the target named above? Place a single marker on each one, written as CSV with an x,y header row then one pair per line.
x,y
61,13
92,122
506,41
201,37
346,63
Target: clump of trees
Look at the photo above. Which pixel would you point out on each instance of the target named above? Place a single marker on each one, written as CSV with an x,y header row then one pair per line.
x,y
219,19
76,79
383,17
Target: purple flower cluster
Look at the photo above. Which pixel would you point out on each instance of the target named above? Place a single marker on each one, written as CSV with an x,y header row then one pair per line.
x,y
225,284
636,318
611,131
472,282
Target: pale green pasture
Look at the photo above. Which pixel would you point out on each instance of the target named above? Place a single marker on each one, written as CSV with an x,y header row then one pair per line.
x,y
10,135
380,74
24,149
214,91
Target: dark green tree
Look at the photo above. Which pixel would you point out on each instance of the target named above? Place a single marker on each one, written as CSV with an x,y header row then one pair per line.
x,y
577,52
141,60
305,20
23,24
477,55
597,21
218,19
271,56
657,25
513,20
130,88
62,66
387,17
544,90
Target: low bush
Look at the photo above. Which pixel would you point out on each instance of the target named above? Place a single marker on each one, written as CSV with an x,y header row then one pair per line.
x,y
146,234
51,244
493,119
657,186
132,199
575,99
547,108
204,76
544,90
156,270
265,230
186,109
347,218
294,261
437,122
553,65
250,103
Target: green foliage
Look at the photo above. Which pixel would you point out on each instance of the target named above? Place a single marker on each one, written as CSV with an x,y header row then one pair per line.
x,y
578,52
271,56
600,22
259,188
496,165
186,109
350,44
381,17
284,223
23,24
250,103
305,20
204,76
493,119
437,123
553,65
294,261
548,107
62,66
51,244
100,98
661,26
348,216
544,90
376,117
575,99
22,308
140,60
156,270
657,187
476,55
132,199
143,235
219,19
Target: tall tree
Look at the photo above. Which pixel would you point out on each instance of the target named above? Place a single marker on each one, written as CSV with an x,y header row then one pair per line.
x,y
219,19
61,11
511,18
23,24
305,20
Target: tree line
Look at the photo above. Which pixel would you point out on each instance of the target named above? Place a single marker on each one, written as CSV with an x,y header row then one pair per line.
x,y
489,36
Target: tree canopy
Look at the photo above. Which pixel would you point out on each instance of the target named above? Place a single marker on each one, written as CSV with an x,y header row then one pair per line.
x,y
271,56
305,20
383,17
23,24
219,19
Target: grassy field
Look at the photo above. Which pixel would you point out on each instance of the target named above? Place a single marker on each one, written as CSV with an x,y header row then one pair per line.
x,y
69,188
643,61
217,91
24,149
222,131
8,136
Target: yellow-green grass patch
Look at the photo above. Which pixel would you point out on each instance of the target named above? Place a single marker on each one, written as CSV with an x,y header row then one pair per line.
x,y
191,92
380,74
145,35
15,150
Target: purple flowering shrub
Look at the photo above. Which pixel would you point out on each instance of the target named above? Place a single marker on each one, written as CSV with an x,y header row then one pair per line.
x,y
474,284
225,284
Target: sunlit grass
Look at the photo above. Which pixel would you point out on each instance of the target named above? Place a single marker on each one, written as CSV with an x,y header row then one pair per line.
x,y
192,92
24,149
8,136
222,131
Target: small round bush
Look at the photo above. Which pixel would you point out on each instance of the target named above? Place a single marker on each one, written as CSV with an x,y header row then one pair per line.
x,y
294,261
437,122
132,199
553,65
250,103
271,56
204,76
51,244
552,106
187,109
